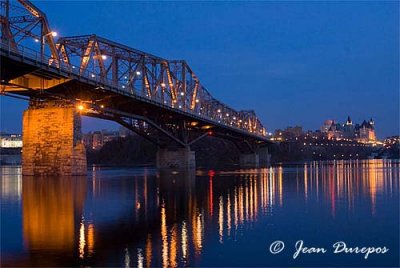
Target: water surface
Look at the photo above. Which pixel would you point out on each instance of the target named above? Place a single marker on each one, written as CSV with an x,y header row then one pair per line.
x,y
141,217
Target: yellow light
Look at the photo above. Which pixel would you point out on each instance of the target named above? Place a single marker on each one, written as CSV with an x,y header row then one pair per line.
x,y
102,106
197,100
81,107
163,84
206,127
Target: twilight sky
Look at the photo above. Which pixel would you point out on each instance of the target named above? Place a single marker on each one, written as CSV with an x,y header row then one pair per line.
x,y
295,63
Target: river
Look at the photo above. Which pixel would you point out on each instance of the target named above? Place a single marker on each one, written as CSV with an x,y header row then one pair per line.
x,y
139,217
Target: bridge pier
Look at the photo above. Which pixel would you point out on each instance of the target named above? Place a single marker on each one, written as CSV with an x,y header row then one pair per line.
x,y
264,156
249,160
179,158
259,158
52,140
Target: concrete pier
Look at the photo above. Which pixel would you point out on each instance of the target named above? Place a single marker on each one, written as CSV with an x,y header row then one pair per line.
x,y
264,156
52,141
260,158
249,160
180,158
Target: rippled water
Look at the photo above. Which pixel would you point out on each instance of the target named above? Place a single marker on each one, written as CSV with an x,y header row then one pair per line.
x,y
140,217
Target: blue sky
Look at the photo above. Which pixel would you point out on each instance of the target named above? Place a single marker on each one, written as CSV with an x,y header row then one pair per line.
x,y
295,63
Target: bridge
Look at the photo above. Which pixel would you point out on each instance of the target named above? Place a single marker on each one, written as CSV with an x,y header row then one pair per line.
x,y
64,78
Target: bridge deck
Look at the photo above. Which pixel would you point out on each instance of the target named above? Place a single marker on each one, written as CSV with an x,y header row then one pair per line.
x,y
69,84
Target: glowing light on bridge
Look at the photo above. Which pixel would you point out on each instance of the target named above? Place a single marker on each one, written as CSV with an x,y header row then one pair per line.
x,y
130,73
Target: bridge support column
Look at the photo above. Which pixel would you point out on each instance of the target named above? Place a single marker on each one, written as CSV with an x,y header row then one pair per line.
x,y
52,141
260,158
264,156
249,160
179,158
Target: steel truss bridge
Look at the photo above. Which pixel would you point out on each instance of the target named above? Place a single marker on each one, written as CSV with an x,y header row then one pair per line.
x,y
161,100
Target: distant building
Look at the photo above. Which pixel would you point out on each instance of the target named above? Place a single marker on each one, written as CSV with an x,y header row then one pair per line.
x,y
96,140
348,129
11,141
296,131
288,133
326,126
88,140
335,131
110,136
363,133
367,131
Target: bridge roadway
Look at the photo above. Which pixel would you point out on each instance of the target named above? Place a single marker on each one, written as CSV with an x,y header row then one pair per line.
x,y
98,97
161,100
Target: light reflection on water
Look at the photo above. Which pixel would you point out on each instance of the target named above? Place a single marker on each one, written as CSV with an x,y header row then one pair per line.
x,y
144,218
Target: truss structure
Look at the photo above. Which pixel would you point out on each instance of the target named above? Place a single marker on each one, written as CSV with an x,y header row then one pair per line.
x,y
26,25
169,83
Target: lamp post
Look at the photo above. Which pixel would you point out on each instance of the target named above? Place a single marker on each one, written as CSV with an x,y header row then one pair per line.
x,y
52,33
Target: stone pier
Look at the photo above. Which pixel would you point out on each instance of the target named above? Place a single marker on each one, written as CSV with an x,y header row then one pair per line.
x,y
52,141
264,156
179,158
249,160
260,158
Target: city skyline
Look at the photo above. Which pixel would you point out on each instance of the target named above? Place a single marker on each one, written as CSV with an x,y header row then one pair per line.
x,y
300,67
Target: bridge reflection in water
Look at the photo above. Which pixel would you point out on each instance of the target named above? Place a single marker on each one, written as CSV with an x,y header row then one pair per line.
x,y
174,219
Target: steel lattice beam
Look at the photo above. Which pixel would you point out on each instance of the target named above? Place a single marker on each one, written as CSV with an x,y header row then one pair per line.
x,y
171,84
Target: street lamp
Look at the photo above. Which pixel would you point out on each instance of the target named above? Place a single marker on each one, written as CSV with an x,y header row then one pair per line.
x,y
53,34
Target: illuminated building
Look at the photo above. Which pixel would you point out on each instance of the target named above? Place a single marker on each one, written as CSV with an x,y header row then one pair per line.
x,y
363,133
11,141
327,124
97,140
334,131
348,129
367,131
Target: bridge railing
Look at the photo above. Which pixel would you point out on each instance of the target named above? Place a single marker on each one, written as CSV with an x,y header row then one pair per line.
x,y
45,61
